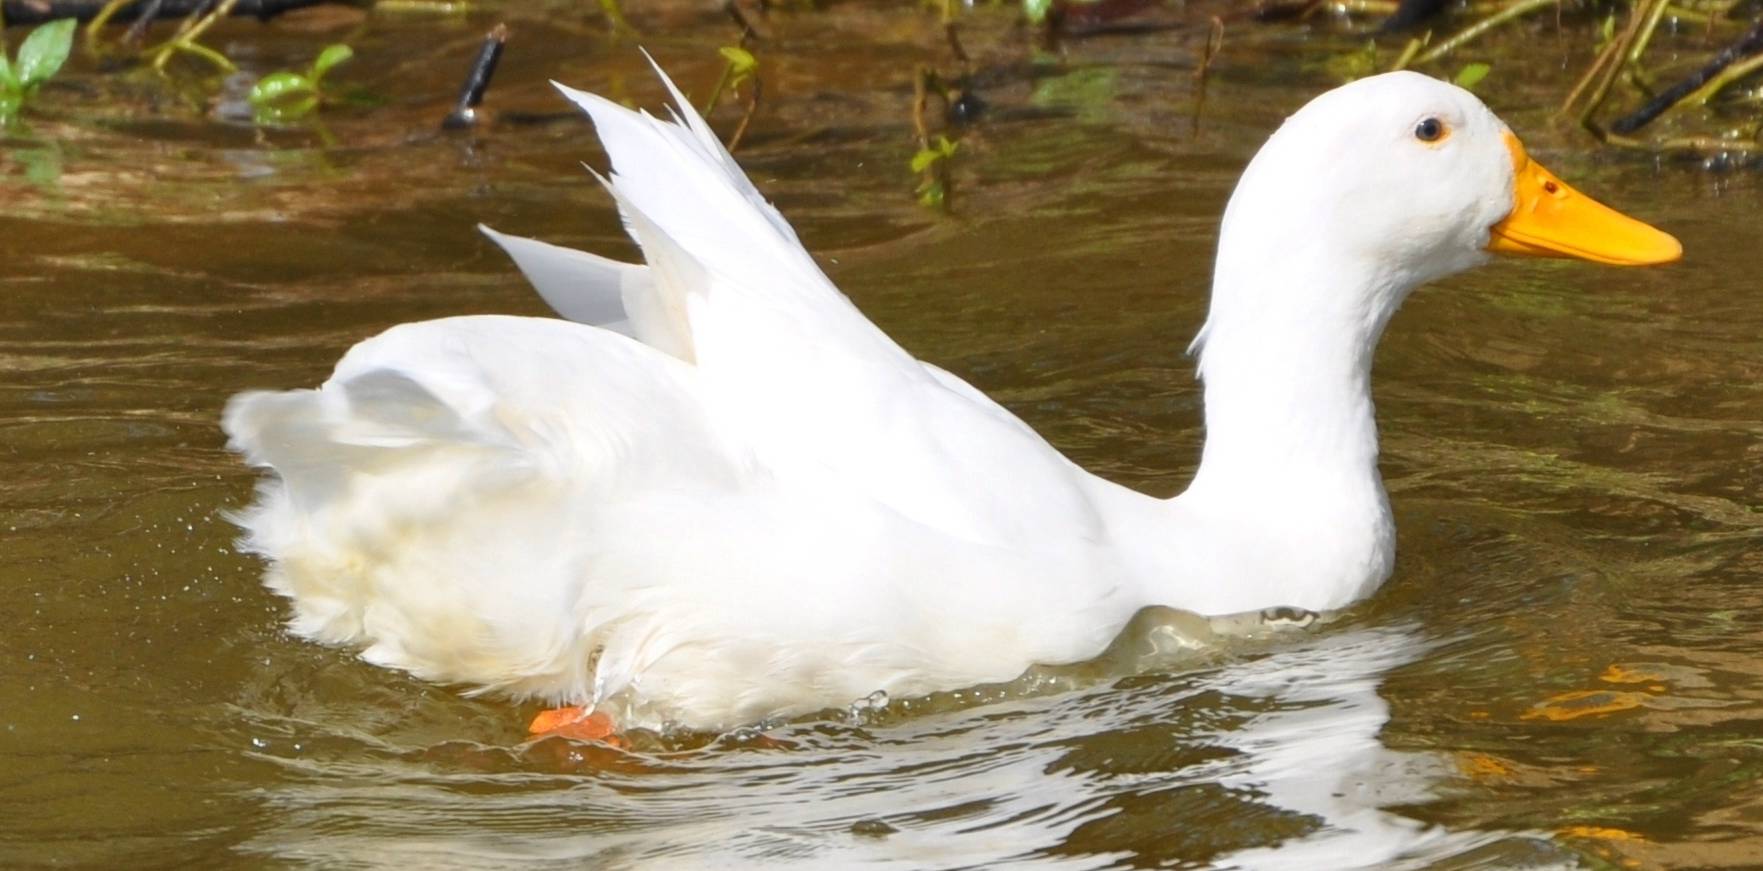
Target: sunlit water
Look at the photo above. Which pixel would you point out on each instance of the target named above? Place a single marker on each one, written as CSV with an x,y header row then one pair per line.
x,y
1564,669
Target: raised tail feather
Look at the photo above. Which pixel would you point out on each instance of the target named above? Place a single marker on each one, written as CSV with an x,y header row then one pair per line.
x,y
583,287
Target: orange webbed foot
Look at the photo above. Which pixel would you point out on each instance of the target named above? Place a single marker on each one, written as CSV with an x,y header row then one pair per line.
x,y
577,724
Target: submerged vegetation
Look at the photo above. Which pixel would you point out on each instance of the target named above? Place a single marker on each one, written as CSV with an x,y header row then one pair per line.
x,y
1663,76
286,95
740,71
1634,93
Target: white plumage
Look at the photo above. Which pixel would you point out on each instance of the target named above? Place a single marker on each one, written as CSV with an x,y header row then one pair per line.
x,y
723,494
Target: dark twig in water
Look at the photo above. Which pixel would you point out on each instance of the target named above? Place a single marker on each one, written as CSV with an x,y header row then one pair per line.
x,y
477,81
138,31
953,36
749,33
1412,13
1214,43
961,104
37,11
920,100
964,104
1696,83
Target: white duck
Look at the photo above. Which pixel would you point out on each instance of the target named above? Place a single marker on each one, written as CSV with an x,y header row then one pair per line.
x,y
723,495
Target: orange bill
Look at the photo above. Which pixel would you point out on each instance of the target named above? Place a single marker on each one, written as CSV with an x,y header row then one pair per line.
x,y
1550,219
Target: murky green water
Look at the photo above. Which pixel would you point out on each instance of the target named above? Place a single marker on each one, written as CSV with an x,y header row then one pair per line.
x,y
1565,668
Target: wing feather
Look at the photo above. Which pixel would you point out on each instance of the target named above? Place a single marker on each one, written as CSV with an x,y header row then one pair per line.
x,y
790,368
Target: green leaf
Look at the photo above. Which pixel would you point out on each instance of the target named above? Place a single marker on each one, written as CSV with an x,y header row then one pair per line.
x,y
44,51
277,87
1471,75
933,194
937,150
8,84
330,57
924,158
1036,10
288,110
741,62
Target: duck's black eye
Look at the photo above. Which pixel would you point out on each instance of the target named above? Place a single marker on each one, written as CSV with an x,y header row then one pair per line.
x,y
1429,130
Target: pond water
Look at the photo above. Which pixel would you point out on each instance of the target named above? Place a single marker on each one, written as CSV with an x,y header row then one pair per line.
x,y
1563,671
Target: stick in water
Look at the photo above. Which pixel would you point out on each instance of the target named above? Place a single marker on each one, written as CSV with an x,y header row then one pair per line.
x,y
464,112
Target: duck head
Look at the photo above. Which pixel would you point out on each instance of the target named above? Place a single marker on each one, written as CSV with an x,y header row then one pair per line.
x,y
1389,182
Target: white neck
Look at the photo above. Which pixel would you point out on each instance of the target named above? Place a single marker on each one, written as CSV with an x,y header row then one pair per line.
x,y
1286,361
1287,508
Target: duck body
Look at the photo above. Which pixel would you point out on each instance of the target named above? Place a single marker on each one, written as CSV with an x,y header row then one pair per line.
x,y
549,509
719,494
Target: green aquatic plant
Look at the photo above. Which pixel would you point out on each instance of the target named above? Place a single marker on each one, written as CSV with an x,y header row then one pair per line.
x,y
425,7
39,58
184,41
1347,66
1471,75
961,106
1507,14
739,68
286,95
1630,83
931,163
615,19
